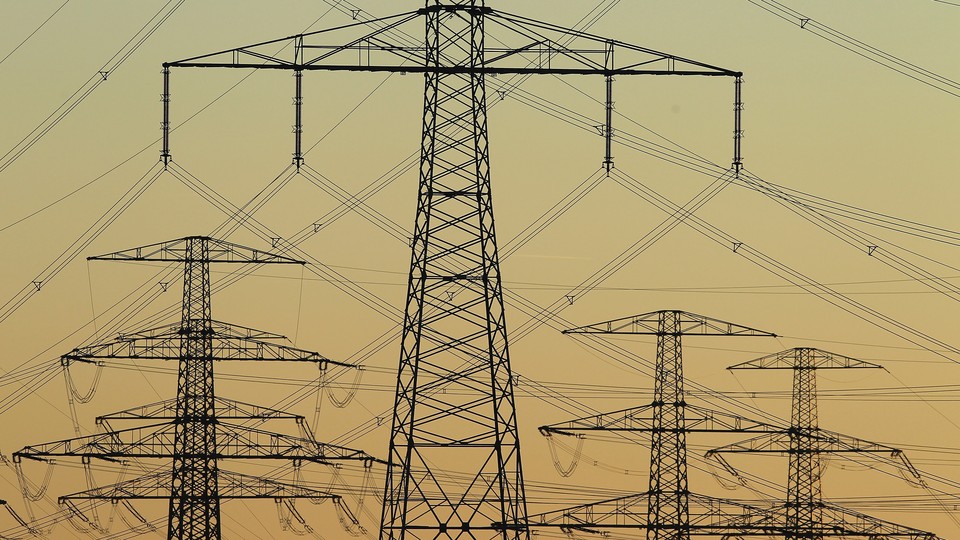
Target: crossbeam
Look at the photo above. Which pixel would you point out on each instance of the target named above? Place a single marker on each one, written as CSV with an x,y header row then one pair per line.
x,y
158,441
228,342
642,420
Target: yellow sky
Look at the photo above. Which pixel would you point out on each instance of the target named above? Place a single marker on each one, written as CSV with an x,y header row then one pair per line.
x,y
818,118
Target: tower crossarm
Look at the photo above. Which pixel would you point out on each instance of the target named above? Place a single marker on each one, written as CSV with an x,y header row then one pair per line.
x,y
641,420
231,485
689,324
708,516
224,409
524,46
233,441
229,342
823,442
715,516
812,359
837,521
220,251
826,442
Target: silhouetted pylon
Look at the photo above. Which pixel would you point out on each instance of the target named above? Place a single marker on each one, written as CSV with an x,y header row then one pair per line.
x,y
804,503
668,508
807,516
197,429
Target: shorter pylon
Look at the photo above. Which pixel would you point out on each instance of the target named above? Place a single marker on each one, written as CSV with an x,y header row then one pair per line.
x,y
807,517
667,504
197,429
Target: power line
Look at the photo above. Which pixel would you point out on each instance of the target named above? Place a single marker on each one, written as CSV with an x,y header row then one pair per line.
x,y
37,29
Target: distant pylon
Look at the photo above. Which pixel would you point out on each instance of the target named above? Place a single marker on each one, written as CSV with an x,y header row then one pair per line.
x,y
805,514
668,508
194,499
186,429
804,504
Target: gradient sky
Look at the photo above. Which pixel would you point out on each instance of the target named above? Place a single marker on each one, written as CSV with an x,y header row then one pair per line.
x,y
818,118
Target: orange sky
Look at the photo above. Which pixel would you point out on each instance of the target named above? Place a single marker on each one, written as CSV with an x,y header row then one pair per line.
x,y
818,118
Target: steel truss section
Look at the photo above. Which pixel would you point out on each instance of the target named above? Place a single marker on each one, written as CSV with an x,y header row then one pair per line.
x,y
641,420
196,429
225,409
668,497
710,516
160,441
228,342
454,405
804,442
534,47
707,516
232,486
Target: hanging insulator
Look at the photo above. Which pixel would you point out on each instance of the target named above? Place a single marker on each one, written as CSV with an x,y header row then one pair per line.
x,y
349,522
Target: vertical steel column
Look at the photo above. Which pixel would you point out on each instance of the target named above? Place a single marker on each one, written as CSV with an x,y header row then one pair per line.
x,y
165,124
298,119
668,511
737,126
804,508
194,498
454,410
608,131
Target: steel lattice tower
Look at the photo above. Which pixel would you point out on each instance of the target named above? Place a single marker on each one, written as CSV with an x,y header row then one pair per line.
x,y
194,498
702,515
454,335
804,504
186,428
668,496
454,410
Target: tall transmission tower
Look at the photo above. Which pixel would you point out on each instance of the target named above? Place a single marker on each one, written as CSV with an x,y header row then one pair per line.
x,y
454,407
197,429
807,516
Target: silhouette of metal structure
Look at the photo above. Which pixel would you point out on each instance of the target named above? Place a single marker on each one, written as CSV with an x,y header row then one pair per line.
x,y
664,510
454,403
197,429
806,515
668,509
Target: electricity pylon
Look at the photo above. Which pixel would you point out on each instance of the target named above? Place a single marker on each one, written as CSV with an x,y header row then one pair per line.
x,y
807,516
454,406
197,429
664,510
703,515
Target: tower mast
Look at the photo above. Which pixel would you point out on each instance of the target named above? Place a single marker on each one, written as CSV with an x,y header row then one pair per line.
x,y
454,334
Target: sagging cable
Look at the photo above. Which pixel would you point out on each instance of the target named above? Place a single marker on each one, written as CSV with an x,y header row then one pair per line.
x,y
25,484
576,454
351,393
74,514
139,524
349,522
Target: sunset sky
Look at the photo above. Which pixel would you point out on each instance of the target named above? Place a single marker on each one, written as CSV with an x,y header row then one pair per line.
x,y
853,105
